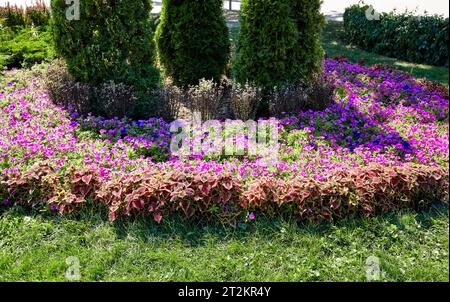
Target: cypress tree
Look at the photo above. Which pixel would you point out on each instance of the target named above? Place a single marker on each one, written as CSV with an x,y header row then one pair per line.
x,y
279,42
192,40
111,41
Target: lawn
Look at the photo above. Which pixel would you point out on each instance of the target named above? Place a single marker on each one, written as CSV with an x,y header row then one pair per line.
x,y
410,246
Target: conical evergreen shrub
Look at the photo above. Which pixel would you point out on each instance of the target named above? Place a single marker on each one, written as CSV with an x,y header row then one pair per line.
x,y
192,40
279,42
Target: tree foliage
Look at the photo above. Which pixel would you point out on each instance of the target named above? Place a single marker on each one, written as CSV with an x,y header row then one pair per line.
x,y
192,40
279,42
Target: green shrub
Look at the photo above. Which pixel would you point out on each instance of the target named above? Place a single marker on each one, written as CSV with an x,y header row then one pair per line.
x,y
112,41
192,40
279,42
24,35
403,36
25,47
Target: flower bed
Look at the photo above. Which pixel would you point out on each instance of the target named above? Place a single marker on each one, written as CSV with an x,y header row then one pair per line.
x,y
383,144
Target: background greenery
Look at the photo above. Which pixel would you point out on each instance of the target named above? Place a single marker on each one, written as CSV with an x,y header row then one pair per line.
x,y
36,14
334,45
25,46
419,39
35,44
24,36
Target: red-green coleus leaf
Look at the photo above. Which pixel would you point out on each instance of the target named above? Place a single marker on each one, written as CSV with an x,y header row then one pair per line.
x,y
228,184
226,196
205,188
112,216
86,178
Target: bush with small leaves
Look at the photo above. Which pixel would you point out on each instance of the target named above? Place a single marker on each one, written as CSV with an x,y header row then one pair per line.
x,y
205,98
192,41
115,99
25,46
64,90
279,42
109,98
245,101
173,98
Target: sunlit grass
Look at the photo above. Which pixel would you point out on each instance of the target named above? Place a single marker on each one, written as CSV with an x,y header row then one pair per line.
x,y
410,246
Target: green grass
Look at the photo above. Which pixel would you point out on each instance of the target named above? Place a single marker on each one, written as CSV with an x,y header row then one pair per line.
x,y
333,45
411,246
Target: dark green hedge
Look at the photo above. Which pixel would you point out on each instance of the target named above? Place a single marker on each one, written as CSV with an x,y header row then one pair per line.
x,y
192,40
279,42
403,36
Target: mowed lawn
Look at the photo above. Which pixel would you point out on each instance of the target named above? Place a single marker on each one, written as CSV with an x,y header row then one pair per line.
x,y
409,245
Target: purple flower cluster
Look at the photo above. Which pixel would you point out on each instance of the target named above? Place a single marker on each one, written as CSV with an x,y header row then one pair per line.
x,y
151,137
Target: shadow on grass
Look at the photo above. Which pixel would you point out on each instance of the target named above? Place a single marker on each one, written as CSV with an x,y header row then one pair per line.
x,y
195,233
